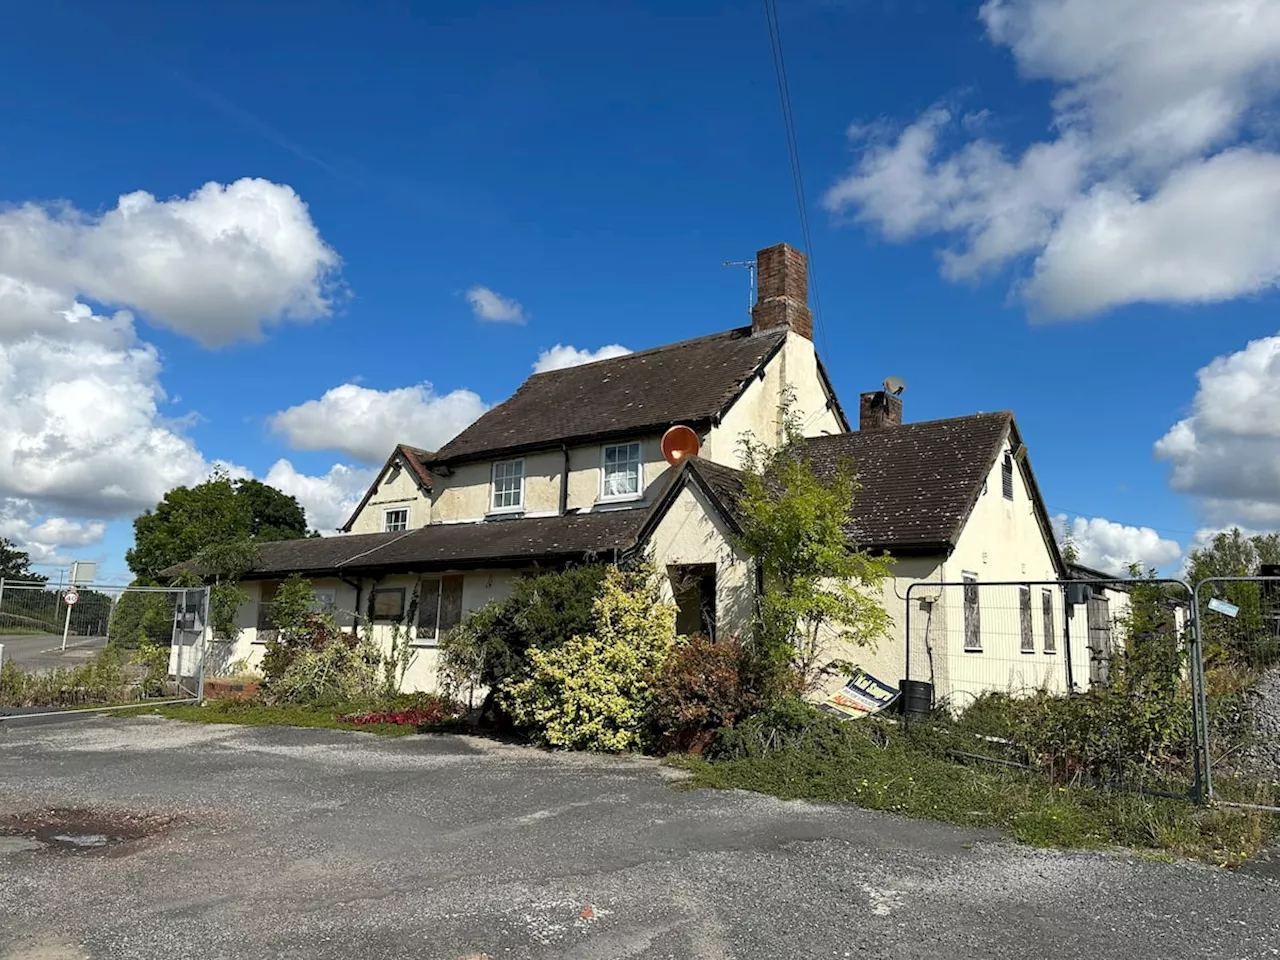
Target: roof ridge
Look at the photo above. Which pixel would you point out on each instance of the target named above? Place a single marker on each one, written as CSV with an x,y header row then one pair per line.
x,y
651,350
986,414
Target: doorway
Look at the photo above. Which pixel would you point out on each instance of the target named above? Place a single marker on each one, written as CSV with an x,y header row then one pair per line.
x,y
693,585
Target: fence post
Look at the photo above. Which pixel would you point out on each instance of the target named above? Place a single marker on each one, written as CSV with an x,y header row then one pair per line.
x,y
1,594
1066,638
206,642
1201,696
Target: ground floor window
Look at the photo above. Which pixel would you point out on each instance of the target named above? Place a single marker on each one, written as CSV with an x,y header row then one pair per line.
x,y
972,614
439,608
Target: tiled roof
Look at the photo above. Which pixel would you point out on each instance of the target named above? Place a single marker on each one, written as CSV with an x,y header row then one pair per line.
x,y
454,546
417,459
918,481
691,382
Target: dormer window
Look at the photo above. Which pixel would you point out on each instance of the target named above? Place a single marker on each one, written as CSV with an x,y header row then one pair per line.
x,y
508,486
620,472
395,520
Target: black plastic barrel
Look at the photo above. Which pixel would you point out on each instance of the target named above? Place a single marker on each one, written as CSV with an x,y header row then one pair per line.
x,y
917,699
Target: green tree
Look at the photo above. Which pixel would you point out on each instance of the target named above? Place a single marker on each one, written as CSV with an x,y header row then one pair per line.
x,y
218,512
1250,637
820,590
15,564
273,515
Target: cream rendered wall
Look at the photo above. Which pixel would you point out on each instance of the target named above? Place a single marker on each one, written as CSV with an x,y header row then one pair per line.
x,y
395,488
756,411
585,469
693,532
478,588
887,660
466,494
1002,541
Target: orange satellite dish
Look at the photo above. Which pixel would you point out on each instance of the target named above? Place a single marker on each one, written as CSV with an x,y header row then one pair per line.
x,y
679,442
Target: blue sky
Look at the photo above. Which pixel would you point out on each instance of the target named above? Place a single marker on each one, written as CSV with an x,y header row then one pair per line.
x,y
1027,204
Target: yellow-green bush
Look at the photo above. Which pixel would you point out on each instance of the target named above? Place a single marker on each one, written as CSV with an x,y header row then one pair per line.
x,y
592,692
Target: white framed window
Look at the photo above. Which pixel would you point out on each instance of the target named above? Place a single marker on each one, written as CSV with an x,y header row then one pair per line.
x,y
508,486
620,471
395,519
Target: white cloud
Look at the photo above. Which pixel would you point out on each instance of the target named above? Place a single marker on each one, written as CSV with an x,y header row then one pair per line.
x,y
489,305
561,356
46,540
86,434
1111,547
327,499
366,424
214,266
1227,452
1155,187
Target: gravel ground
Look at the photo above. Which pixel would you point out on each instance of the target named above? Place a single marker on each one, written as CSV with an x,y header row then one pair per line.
x,y
323,844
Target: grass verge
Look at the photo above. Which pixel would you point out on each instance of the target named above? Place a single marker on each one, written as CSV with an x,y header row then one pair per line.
x,y
880,767
253,714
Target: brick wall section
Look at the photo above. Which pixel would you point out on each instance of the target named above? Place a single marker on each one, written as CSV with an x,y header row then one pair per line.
x,y
878,411
782,291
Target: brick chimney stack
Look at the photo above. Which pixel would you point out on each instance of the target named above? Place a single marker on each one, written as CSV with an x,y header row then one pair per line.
x,y
879,410
782,291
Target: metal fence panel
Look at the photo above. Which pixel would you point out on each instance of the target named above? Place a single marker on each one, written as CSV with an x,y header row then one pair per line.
x,y
1238,633
109,644
1010,659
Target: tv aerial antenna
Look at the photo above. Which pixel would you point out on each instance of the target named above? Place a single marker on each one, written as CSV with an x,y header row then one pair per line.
x,y
751,278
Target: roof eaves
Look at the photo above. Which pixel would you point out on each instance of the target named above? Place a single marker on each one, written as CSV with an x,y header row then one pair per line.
x,y
757,373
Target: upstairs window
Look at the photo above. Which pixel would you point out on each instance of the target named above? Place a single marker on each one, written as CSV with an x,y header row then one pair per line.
x,y
1006,476
393,520
508,485
620,476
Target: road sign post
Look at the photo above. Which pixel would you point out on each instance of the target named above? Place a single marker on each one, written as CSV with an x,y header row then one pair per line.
x,y
69,598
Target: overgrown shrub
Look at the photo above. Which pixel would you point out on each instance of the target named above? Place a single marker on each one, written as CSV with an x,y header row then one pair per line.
x,y
102,679
491,645
703,686
155,659
592,691
790,725
341,671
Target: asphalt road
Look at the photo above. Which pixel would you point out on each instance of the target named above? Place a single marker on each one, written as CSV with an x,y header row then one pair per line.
x,y
319,844
44,651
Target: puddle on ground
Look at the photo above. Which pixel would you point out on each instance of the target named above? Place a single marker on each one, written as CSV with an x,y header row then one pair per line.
x,y
79,831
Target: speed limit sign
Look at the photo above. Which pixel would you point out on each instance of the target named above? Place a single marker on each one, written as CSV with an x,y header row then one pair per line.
x,y
70,598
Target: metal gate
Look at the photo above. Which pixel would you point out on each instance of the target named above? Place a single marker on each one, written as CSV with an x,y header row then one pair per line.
x,y
1238,628
99,646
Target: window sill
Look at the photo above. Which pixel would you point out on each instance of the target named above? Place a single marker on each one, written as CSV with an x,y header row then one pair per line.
x,y
505,512
629,498
972,649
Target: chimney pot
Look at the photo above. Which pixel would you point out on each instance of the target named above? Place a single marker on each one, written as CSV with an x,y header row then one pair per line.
x,y
782,291
878,410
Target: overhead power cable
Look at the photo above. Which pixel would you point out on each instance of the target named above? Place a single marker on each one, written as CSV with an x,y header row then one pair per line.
x,y
793,156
